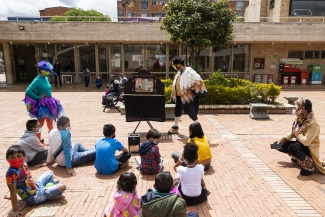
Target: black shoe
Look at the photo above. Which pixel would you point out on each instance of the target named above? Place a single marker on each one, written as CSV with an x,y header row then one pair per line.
x,y
294,160
304,172
173,130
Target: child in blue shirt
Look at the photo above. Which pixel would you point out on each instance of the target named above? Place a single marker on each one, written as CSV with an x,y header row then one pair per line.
x,y
99,82
106,161
20,181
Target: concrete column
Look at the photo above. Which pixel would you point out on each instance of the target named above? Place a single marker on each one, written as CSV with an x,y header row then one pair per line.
x,y
251,63
76,64
122,57
212,61
144,56
167,60
231,60
37,53
96,60
109,61
7,61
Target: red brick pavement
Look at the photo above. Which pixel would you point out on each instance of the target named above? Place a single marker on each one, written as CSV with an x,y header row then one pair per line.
x,y
246,178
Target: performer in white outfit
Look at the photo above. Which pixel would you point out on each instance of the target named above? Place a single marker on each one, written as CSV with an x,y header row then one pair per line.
x,y
185,82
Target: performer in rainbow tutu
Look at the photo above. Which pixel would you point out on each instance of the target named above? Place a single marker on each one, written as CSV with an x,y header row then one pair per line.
x,y
38,99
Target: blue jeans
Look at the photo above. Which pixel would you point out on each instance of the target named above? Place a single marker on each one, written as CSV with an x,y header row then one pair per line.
x,y
81,155
87,79
43,193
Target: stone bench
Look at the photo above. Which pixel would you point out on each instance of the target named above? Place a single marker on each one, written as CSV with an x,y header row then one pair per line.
x,y
291,99
169,110
259,111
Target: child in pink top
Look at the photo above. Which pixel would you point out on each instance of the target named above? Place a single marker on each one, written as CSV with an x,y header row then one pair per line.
x,y
125,200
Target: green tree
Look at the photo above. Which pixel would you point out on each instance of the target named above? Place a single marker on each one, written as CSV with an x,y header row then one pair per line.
x,y
199,24
78,14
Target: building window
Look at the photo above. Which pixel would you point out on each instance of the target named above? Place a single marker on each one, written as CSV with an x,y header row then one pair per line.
x,y
239,6
307,8
241,57
144,5
130,14
144,15
158,14
295,54
133,57
154,2
173,51
87,57
156,58
102,58
323,55
312,54
162,2
120,12
65,54
272,4
116,58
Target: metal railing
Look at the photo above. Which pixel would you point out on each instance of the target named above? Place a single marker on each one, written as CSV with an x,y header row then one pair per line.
x,y
293,19
78,18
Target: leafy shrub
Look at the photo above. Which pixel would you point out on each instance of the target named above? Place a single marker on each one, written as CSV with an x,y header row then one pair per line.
x,y
273,92
167,82
232,91
219,94
168,92
218,78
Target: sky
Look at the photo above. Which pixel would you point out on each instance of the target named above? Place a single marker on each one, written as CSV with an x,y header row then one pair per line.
x,y
30,8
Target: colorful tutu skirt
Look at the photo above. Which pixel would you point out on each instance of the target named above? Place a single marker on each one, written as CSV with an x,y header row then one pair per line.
x,y
47,107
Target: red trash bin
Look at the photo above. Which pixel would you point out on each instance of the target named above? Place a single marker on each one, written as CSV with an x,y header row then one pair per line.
x,y
285,79
304,76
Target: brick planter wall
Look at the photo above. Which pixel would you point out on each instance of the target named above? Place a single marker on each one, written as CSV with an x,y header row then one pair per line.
x,y
225,109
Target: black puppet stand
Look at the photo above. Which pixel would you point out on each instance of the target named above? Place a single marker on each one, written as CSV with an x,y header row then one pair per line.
x,y
144,100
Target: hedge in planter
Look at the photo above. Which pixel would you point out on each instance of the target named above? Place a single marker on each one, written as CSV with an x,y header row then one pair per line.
x,y
232,91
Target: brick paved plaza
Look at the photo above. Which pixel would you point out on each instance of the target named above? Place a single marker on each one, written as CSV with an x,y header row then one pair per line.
x,y
247,178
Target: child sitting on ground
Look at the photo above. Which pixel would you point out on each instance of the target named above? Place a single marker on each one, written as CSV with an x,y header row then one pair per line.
x,y
20,181
204,153
99,82
125,201
191,176
159,202
150,161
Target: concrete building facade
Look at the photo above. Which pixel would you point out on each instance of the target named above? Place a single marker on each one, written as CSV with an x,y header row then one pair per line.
x,y
119,47
112,48
285,11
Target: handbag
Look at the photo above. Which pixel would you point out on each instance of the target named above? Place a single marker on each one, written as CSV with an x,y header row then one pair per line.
x,y
199,95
